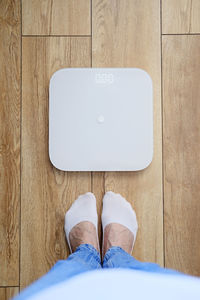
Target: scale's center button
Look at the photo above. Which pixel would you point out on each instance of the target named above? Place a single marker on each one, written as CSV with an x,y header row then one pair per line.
x,y
100,119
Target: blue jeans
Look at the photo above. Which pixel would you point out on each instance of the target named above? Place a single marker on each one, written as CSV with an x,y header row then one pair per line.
x,y
86,258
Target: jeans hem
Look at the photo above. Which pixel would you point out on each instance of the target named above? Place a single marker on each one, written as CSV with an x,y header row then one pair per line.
x,y
93,251
113,250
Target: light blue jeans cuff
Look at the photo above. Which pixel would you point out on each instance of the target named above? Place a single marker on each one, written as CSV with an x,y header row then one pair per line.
x,y
116,257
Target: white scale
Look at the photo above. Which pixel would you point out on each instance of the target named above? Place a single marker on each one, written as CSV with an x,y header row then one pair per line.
x,y
100,119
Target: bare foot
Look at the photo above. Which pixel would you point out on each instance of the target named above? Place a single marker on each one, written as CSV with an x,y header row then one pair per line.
x,y
117,235
83,233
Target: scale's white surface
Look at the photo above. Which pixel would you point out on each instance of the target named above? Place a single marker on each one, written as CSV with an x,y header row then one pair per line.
x,y
100,119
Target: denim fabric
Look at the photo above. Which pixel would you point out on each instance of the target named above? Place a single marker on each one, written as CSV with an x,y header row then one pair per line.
x,y
116,257
86,258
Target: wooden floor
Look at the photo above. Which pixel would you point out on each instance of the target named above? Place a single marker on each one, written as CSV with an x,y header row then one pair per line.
x,y
40,37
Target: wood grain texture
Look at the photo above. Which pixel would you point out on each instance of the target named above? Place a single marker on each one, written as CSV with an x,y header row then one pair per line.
x,y
56,17
9,141
181,16
8,293
98,188
46,192
127,34
181,111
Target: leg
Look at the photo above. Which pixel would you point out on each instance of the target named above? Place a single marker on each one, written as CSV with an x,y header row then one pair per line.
x,y
119,233
81,233
84,259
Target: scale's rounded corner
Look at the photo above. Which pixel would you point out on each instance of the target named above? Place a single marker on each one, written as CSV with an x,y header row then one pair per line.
x,y
147,75
55,74
147,162
53,162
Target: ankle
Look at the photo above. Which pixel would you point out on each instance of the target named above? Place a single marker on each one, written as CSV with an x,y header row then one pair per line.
x,y
117,235
83,233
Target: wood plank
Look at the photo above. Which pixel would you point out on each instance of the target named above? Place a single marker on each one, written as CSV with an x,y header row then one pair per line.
x,y
8,292
98,188
181,72
180,16
63,17
46,192
125,35
9,141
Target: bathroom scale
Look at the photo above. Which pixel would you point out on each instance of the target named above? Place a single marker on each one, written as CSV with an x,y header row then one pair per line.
x,y
100,119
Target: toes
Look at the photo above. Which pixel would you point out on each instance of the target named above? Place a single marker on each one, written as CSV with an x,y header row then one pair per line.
x,y
111,196
82,199
87,195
